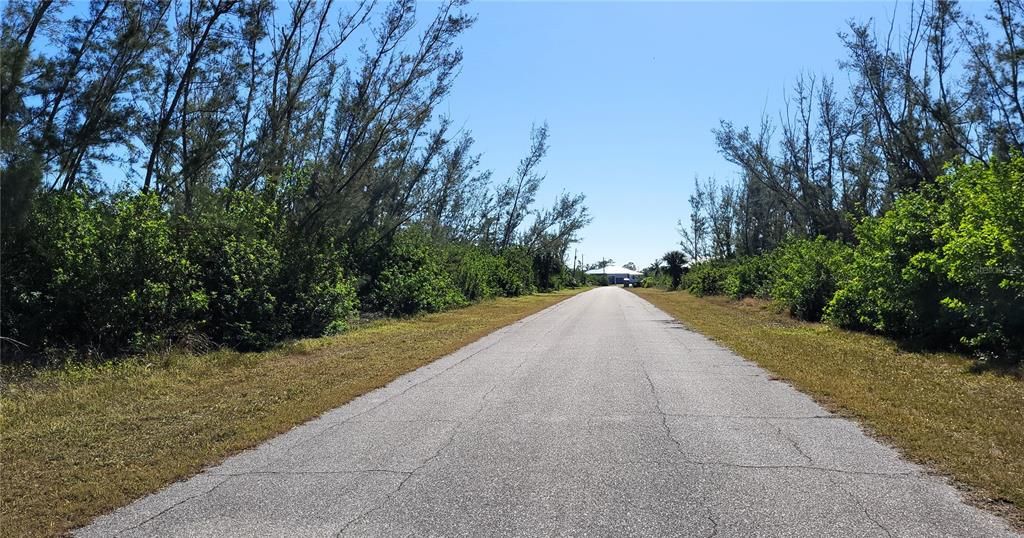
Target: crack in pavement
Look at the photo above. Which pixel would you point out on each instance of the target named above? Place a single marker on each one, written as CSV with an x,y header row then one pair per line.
x,y
686,459
709,513
500,334
172,507
390,495
661,412
793,442
668,433
714,522
856,500
796,446
451,439
801,467
753,417
285,473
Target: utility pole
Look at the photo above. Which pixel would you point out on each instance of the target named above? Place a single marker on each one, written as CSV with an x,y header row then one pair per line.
x,y
575,275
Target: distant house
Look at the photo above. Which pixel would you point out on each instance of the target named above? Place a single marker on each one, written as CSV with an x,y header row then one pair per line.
x,y
618,275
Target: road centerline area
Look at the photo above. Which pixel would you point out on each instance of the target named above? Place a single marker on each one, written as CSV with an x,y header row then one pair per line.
x,y
599,415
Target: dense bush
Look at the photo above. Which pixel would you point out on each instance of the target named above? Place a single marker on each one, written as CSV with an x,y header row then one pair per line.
x,y
888,288
419,275
479,273
750,277
239,257
103,275
264,283
801,276
124,275
475,272
318,296
707,277
806,274
415,278
945,264
547,270
982,253
515,274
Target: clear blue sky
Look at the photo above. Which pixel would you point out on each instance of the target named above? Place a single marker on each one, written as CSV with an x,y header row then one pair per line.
x,y
631,92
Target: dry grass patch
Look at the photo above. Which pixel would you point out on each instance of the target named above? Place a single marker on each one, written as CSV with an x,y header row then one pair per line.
x,y
81,441
932,406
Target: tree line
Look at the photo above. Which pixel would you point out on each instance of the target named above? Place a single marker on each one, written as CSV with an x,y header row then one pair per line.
x,y
241,171
893,204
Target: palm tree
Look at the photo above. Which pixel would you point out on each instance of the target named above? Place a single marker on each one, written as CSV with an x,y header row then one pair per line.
x,y
675,260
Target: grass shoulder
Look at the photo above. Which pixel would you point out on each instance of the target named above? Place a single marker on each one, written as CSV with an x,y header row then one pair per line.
x,y
81,441
934,407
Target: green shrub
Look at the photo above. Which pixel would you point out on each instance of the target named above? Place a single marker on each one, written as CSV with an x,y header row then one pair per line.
x,y
515,275
47,278
414,278
707,278
982,253
888,289
944,265
267,282
658,280
475,272
314,293
238,250
480,274
98,274
123,274
806,275
572,279
547,270
750,277
150,282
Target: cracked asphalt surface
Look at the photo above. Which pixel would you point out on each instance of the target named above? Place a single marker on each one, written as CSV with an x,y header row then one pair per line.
x,y
598,416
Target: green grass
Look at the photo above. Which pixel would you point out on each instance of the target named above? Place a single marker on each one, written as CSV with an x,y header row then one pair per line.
x,y
79,442
934,407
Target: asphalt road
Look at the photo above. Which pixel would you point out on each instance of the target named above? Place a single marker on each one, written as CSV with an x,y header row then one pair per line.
x,y
598,416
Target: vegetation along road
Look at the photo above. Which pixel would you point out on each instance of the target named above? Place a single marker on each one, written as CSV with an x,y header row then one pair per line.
x,y
601,414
